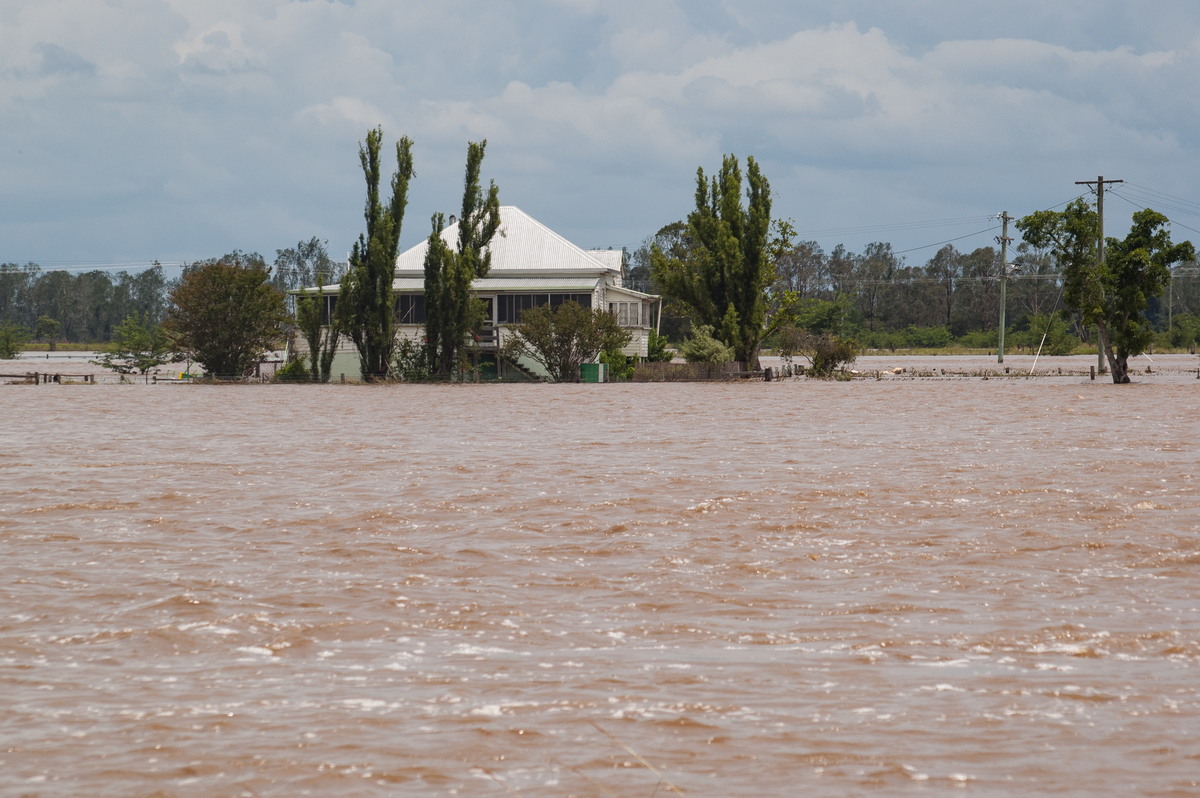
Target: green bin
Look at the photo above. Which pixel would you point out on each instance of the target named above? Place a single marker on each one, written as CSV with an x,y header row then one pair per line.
x,y
592,372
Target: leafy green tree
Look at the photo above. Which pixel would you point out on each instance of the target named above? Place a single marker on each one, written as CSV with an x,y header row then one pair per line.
x,y
12,338
724,280
225,315
451,313
365,304
48,330
820,315
1112,295
564,338
137,345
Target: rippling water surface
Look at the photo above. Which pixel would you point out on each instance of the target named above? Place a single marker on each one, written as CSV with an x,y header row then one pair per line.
x,y
979,587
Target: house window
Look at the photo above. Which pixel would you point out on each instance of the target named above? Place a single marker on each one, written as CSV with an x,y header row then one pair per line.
x,y
628,313
410,309
511,306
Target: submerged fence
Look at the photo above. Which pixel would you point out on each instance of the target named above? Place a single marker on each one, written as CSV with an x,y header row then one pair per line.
x,y
690,372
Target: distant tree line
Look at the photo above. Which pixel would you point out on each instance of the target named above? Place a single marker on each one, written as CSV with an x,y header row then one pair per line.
x,y
882,301
86,307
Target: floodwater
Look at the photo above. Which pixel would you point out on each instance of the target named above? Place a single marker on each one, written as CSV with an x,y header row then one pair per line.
x,y
984,587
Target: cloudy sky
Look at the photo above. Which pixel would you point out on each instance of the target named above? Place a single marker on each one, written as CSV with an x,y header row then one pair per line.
x,y
136,130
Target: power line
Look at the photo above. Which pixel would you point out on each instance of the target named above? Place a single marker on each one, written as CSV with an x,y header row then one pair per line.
x,y
1140,206
1160,198
86,266
947,241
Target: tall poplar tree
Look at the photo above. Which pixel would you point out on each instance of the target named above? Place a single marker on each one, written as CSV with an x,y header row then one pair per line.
x,y
365,301
451,313
724,280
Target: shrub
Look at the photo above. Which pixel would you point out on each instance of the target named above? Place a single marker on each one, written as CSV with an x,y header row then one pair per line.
x,y
619,367
294,371
927,337
703,348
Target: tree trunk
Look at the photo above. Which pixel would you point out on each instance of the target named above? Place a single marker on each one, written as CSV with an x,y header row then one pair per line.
x,y
1118,362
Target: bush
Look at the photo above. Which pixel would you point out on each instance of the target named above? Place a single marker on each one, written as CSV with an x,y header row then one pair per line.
x,y
410,361
927,337
826,353
980,339
829,354
294,371
703,348
619,367
656,348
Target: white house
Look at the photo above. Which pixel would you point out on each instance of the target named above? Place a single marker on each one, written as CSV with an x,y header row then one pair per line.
x,y
531,265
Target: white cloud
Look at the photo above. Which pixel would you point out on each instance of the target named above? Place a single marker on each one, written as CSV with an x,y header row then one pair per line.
x,y
597,114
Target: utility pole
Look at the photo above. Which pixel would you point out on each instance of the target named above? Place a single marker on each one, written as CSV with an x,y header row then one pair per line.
x,y
1003,239
1099,183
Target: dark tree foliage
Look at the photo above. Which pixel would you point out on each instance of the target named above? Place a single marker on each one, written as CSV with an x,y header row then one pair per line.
x,y
451,313
365,302
724,280
225,314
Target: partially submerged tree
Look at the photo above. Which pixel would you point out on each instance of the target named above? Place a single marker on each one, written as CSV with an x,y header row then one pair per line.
x,y
564,338
451,313
724,280
138,345
225,315
826,353
365,304
1114,294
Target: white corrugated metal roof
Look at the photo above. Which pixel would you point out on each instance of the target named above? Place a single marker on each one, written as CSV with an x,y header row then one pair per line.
x,y
549,282
523,244
609,257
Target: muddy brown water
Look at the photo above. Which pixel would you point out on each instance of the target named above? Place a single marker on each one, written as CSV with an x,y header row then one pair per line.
x,y
892,587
